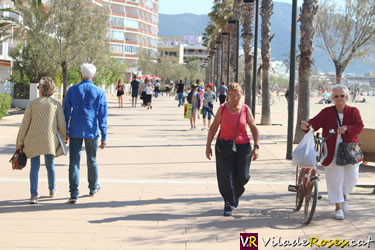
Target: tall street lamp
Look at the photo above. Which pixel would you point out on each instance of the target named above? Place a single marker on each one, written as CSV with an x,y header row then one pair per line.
x,y
228,61
221,62
212,66
208,69
292,73
238,46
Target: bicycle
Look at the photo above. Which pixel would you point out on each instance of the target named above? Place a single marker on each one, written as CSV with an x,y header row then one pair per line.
x,y
306,187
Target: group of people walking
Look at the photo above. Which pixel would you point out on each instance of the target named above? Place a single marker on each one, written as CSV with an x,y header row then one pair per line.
x,y
85,114
145,89
46,127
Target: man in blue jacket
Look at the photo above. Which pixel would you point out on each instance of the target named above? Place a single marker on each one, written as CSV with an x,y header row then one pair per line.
x,y
85,110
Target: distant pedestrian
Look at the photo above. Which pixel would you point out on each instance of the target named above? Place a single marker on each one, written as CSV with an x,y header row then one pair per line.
x,y
120,87
157,88
194,99
233,161
135,90
223,90
85,109
208,105
180,93
42,125
149,89
143,92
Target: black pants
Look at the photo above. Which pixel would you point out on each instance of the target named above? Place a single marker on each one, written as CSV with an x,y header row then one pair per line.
x,y
222,98
233,173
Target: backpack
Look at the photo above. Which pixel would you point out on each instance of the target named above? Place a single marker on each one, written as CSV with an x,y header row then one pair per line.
x,y
189,97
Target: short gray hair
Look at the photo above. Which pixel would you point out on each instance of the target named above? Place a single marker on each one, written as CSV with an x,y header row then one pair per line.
x,y
342,87
88,71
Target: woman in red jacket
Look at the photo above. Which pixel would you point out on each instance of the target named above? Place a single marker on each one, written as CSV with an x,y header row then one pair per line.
x,y
340,179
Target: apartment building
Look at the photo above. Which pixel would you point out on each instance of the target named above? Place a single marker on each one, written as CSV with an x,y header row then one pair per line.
x,y
182,49
132,27
6,46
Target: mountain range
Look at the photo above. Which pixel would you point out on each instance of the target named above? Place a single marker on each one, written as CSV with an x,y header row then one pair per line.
x,y
190,24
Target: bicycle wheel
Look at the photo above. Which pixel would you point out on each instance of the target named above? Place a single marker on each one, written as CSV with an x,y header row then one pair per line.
x,y
299,189
311,199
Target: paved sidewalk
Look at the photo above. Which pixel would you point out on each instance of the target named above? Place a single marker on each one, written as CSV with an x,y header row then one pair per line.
x,y
160,192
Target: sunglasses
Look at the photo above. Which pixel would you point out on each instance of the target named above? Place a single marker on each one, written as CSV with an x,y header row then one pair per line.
x,y
337,96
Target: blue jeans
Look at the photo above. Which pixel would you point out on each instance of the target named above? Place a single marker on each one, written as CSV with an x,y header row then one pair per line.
x,y
207,111
75,147
34,173
180,99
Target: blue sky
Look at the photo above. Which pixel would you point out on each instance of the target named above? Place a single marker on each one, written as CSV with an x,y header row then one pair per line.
x,y
198,7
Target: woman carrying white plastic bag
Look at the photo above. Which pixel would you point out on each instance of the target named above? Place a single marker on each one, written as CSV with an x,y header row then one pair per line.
x,y
304,155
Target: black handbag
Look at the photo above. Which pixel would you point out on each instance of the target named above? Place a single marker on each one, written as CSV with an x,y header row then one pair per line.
x,y
226,148
18,159
347,152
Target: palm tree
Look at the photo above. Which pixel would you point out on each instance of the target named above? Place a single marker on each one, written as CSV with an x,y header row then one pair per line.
x,y
266,13
237,8
247,20
308,12
219,16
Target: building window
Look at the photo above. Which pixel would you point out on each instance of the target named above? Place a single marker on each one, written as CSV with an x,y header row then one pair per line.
x,y
117,49
154,18
116,35
131,24
134,1
1,49
130,49
118,8
117,21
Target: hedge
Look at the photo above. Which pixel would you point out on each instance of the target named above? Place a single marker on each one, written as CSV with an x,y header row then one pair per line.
x,y
5,101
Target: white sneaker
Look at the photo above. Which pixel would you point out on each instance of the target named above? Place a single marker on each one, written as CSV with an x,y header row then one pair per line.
x,y
33,199
339,215
345,206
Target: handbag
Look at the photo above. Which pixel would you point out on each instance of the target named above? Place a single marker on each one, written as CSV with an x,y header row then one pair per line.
x,y
226,148
18,159
347,152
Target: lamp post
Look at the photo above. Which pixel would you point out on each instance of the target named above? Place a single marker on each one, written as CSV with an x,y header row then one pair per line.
x,y
208,69
292,73
216,65
212,66
228,62
238,46
221,63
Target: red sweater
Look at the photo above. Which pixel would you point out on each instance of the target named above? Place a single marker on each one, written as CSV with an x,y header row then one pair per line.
x,y
327,120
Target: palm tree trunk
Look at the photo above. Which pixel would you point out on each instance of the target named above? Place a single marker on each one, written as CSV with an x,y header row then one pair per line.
x,y
266,13
237,4
308,12
247,21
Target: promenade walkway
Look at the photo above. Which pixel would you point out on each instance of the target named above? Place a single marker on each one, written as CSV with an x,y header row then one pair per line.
x,y
160,192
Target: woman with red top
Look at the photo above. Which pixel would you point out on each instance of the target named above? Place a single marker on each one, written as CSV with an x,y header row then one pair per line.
x,y
233,172
340,179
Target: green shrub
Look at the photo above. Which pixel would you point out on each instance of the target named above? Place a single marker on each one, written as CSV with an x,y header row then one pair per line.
x,y
5,101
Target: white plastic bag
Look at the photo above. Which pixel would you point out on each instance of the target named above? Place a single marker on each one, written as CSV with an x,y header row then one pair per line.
x,y
304,155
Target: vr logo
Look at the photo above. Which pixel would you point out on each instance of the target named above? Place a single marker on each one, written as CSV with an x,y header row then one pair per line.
x,y
249,241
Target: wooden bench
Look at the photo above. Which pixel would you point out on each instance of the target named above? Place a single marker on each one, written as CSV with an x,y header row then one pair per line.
x,y
367,140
